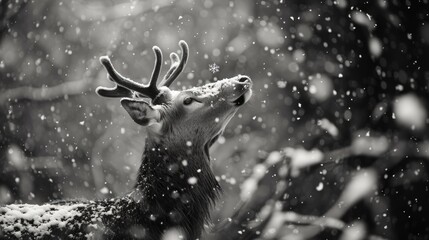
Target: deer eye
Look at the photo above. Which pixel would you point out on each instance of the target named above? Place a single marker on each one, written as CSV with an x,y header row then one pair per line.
x,y
188,101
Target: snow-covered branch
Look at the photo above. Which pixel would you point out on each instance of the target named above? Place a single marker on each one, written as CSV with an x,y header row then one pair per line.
x,y
260,208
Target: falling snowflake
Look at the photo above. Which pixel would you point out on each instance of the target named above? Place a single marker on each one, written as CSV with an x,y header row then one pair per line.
x,y
213,68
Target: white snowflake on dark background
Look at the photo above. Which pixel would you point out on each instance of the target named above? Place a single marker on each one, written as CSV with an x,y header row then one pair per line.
x,y
213,68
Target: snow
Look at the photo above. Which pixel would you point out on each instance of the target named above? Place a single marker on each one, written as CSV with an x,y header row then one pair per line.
x,y
328,126
363,19
213,89
104,190
301,157
34,221
250,185
16,157
214,68
369,145
362,184
357,230
192,180
320,87
173,234
410,111
42,217
208,90
375,46
319,186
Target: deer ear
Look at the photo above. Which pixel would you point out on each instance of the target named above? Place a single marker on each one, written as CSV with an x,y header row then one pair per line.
x,y
141,111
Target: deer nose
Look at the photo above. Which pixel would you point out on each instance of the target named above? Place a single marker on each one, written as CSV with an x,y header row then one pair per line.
x,y
244,79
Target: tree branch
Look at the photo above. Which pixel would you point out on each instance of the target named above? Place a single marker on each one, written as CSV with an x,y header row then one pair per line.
x,y
45,93
90,79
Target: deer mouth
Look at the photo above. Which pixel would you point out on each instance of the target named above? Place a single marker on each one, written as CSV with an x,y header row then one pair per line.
x,y
242,99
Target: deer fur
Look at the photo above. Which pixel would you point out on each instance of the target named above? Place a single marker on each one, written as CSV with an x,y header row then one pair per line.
x,y
175,186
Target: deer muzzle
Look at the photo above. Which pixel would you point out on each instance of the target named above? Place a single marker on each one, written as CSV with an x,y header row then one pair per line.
x,y
238,90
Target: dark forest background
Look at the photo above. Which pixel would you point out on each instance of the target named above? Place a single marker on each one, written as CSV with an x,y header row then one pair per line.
x,y
333,145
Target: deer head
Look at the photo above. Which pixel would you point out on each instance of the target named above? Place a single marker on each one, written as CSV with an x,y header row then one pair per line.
x,y
195,116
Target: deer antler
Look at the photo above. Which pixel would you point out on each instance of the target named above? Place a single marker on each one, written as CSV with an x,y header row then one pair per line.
x,y
176,67
125,86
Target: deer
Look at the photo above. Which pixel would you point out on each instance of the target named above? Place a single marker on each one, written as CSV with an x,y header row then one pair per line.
x,y
175,187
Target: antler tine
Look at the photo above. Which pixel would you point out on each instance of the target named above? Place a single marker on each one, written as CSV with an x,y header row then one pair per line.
x,y
118,78
173,66
156,69
185,51
125,84
114,92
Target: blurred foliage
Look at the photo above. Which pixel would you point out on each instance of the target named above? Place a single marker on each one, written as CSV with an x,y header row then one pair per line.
x,y
325,74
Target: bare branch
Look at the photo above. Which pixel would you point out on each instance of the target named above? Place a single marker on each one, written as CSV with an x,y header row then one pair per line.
x,y
45,93
87,82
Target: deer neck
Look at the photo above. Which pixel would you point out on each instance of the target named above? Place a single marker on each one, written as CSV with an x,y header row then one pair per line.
x,y
176,183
